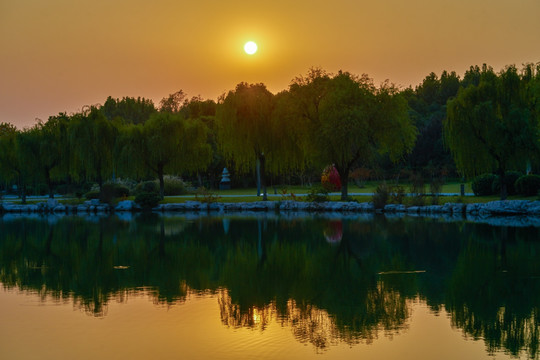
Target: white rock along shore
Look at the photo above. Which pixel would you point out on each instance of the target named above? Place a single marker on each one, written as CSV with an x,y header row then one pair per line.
x,y
493,208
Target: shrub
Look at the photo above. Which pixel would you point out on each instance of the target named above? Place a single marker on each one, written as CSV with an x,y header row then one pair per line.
x,y
92,194
147,200
483,185
121,191
360,176
174,185
528,185
205,196
147,187
318,194
111,191
381,195
418,188
510,179
397,193
107,193
330,179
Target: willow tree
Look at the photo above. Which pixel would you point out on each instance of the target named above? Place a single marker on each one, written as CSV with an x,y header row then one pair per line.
x,y
54,149
348,120
92,140
9,165
245,131
28,147
165,144
489,126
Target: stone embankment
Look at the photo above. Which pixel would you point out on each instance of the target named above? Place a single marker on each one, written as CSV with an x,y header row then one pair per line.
x,y
494,208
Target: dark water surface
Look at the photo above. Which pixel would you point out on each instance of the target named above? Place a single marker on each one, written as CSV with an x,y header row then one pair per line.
x,y
267,286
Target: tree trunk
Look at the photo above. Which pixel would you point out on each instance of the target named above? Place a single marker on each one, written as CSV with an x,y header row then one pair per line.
x,y
23,195
99,176
49,184
22,190
263,176
161,182
502,181
258,175
344,178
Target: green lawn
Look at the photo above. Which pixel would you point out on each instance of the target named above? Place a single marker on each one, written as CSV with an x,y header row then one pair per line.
x,y
249,195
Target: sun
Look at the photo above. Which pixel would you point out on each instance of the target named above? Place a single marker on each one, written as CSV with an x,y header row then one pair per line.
x,y
250,48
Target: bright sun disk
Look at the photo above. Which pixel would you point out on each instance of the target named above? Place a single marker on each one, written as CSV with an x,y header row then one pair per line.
x,y
250,48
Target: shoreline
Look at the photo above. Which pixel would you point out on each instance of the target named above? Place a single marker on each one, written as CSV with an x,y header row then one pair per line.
x,y
492,208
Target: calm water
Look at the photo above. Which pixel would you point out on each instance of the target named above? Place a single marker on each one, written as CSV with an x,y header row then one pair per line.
x,y
269,287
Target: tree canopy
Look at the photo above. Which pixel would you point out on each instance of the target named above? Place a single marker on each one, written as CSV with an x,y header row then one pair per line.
x,y
165,144
348,120
491,125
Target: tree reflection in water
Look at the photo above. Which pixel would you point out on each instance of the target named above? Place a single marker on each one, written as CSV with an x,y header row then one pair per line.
x,y
329,280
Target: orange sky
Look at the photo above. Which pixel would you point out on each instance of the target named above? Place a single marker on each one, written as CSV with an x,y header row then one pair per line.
x,y
59,55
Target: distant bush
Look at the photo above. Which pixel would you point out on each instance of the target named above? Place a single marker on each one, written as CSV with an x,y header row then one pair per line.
x,y
107,193
92,194
111,191
381,196
483,185
360,176
147,200
318,194
174,185
147,187
528,185
206,196
510,179
397,193
330,179
121,191
40,189
418,190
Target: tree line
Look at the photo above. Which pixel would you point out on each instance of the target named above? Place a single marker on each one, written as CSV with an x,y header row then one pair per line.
x,y
447,125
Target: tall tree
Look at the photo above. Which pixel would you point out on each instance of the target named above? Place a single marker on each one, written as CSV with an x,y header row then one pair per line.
x,y
128,109
54,149
9,163
92,139
428,110
348,120
172,103
245,128
28,149
490,125
165,144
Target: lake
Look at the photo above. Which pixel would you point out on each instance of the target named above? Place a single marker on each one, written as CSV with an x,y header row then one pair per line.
x,y
245,286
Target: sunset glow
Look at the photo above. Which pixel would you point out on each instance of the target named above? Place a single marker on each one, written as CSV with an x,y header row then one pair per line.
x,y
59,57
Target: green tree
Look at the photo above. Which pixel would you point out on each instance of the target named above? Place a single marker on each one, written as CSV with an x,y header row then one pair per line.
x,y
9,164
27,150
427,104
128,109
92,139
348,120
245,128
54,149
489,125
172,103
165,144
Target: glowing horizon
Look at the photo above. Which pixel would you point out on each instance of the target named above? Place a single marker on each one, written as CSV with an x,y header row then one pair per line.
x,y
58,56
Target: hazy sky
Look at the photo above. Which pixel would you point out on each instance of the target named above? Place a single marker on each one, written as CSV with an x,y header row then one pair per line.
x,y
59,55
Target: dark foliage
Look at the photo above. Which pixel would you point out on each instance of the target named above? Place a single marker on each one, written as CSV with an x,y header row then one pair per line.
x,y
483,185
528,185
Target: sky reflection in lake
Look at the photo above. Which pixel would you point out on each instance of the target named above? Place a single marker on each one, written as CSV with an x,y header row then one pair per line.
x,y
267,286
